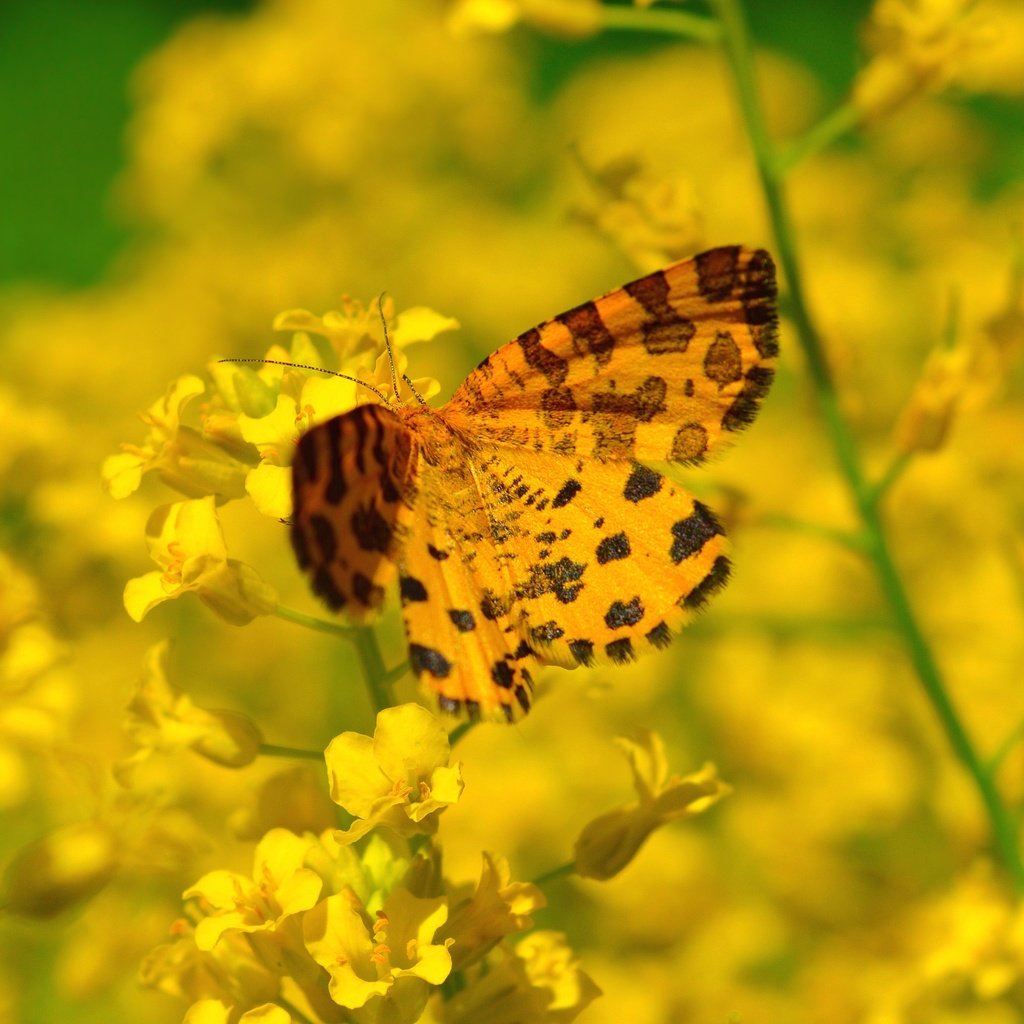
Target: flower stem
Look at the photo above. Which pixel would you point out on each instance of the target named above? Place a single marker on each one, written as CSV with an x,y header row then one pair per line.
x,y
561,871
738,51
673,23
374,671
311,622
364,639
842,120
273,750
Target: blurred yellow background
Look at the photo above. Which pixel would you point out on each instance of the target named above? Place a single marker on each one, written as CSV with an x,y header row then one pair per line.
x,y
479,159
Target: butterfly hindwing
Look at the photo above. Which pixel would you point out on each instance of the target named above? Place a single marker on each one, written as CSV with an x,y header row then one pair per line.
x,y
354,495
665,368
463,644
607,558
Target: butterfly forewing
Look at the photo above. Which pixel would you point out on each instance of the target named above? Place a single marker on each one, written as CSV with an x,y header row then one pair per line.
x,y
664,368
354,496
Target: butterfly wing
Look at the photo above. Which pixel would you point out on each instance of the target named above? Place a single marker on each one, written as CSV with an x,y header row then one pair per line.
x,y
464,641
664,368
606,558
354,494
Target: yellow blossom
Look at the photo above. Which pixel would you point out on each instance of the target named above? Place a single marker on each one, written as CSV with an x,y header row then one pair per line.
x,y
653,220
228,972
928,416
917,46
276,434
560,17
540,982
355,330
499,907
60,870
185,540
609,842
280,886
161,717
213,1011
184,459
400,778
392,957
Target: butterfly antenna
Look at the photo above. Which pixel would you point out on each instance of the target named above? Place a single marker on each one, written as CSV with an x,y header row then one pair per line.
x,y
307,366
391,355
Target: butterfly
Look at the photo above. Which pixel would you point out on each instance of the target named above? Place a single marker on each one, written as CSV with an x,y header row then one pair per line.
x,y
522,519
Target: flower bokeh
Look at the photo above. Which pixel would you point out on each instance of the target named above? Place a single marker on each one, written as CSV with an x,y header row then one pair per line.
x,y
299,175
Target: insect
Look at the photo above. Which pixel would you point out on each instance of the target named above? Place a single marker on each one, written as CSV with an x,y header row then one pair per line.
x,y
521,518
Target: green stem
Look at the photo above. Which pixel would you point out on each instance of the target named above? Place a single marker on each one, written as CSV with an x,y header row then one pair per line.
x,y
995,762
842,120
273,750
375,674
878,490
853,541
311,622
738,51
672,23
560,872
458,732
374,670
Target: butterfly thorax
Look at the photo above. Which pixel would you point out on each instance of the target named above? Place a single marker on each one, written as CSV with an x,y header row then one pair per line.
x,y
441,445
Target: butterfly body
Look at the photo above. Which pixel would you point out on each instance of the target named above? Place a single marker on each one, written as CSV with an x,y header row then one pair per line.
x,y
521,519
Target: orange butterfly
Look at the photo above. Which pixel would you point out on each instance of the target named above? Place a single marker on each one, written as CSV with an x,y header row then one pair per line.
x,y
520,519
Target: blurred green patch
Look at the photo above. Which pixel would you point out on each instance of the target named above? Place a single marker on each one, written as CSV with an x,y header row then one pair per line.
x,y
64,73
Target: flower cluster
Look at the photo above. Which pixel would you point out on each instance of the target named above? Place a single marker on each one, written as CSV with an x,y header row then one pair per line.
x,y
361,924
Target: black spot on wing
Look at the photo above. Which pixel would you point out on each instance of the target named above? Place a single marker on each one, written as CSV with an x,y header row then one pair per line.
x,y
566,493
427,659
582,651
717,577
642,483
613,548
547,632
689,535
366,591
411,589
660,636
326,589
621,614
620,651
462,620
324,537
370,529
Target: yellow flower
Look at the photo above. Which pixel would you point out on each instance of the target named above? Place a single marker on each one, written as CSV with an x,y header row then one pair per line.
x,y
64,868
276,434
229,972
393,958
213,1011
356,329
280,886
917,46
185,540
185,460
161,717
609,842
400,779
928,416
653,220
498,908
560,17
540,983
978,936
